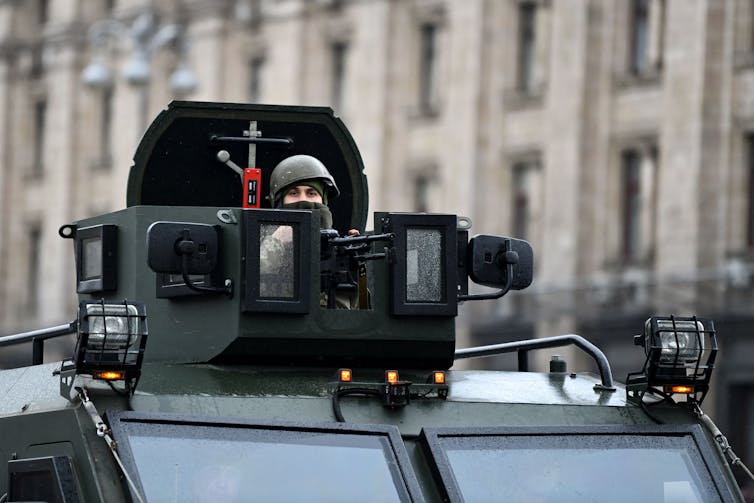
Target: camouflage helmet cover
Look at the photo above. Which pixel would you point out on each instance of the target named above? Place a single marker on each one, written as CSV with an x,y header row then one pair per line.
x,y
298,168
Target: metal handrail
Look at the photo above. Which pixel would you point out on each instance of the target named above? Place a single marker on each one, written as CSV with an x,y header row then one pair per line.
x,y
543,343
37,337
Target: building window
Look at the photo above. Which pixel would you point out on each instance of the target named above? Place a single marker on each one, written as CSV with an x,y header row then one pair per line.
x,y
639,36
525,190
422,192
106,124
33,271
750,212
750,20
521,201
336,5
658,45
37,61
638,205
42,16
743,33
428,68
527,17
646,36
256,67
631,224
43,11
40,120
254,13
338,51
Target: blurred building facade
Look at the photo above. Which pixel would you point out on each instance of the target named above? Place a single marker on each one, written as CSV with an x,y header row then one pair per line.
x,y
616,136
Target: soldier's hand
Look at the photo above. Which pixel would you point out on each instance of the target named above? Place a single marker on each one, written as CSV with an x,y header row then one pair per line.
x,y
353,232
283,233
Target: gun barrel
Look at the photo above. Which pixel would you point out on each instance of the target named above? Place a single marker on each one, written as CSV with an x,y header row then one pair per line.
x,y
214,140
352,240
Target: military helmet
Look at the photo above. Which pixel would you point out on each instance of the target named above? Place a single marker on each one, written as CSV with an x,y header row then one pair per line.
x,y
299,168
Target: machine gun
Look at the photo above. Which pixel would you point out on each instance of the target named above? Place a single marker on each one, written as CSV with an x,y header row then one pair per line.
x,y
343,264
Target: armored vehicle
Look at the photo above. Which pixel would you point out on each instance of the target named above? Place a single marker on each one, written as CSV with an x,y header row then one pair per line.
x,y
202,373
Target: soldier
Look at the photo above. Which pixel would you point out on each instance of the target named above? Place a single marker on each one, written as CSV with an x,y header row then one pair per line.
x,y
298,182
303,182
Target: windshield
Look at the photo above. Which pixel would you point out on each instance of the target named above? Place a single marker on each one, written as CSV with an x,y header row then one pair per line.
x,y
183,462
574,467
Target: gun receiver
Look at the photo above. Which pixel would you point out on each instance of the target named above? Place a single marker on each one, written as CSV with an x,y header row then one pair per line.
x,y
341,261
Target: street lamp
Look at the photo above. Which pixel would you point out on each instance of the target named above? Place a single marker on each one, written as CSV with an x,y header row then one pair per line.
x,y
146,38
182,81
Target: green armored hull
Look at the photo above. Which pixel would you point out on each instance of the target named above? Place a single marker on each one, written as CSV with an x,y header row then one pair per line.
x,y
202,373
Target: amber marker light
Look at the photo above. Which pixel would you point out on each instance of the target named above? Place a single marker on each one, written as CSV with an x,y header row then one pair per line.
x,y
344,375
110,375
438,377
391,376
680,389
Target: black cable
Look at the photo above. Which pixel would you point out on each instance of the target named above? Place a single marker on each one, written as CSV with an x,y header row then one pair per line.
x,y
349,391
649,414
666,397
228,290
118,391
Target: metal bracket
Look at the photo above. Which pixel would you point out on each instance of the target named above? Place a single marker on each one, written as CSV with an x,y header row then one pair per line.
x,y
227,217
67,374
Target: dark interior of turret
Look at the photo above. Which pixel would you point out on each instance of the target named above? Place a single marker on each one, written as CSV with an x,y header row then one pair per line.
x,y
177,165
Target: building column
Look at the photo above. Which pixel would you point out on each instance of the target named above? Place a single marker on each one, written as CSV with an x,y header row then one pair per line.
x,y
678,210
563,134
5,174
59,179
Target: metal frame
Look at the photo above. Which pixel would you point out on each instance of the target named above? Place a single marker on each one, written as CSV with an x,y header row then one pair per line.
x,y
300,221
81,351
108,279
656,373
399,224
404,473
430,441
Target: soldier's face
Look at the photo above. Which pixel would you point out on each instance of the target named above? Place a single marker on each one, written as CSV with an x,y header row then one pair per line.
x,y
302,193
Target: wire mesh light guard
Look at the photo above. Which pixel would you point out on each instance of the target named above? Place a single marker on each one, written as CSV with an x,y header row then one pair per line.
x,y
680,351
111,337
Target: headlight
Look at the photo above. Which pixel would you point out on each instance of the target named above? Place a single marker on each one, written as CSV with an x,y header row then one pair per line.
x,y
113,326
111,337
680,357
680,341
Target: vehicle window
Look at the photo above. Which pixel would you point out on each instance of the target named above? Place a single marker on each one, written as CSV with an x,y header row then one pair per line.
x,y
183,462
49,478
277,261
423,276
574,467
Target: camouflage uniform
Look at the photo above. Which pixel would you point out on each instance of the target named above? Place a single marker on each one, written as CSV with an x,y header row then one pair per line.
x,y
276,255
